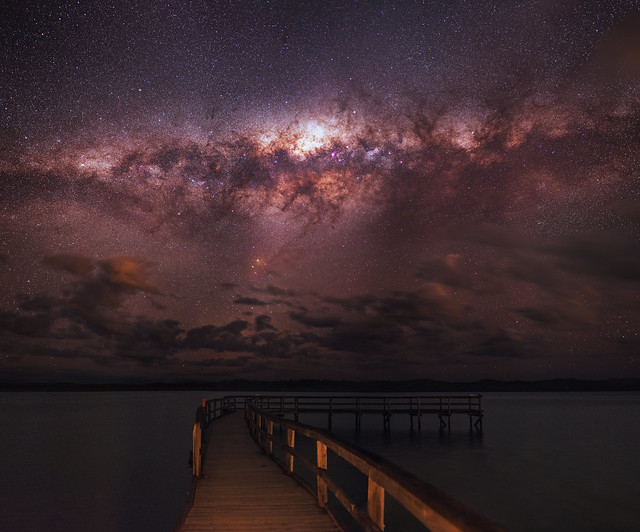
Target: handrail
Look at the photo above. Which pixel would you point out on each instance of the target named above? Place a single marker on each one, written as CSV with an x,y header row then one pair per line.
x,y
443,402
442,405
206,413
432,507
445,406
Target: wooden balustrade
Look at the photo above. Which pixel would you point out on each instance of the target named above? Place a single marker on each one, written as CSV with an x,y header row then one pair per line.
x,y
430,506
296,405
415,406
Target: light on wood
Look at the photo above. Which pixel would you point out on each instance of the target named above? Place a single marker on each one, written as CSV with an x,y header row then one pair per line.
x,y
291,441
321,451
375,503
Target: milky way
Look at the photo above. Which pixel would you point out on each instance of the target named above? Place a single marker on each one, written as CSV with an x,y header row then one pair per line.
x,y
283,189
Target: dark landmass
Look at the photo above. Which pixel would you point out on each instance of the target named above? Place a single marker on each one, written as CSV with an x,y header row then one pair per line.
x,y
312,385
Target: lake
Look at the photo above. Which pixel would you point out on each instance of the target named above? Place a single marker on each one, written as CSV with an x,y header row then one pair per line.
x,y
118,460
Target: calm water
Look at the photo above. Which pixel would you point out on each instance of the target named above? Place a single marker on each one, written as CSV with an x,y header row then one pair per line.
x,y
118,460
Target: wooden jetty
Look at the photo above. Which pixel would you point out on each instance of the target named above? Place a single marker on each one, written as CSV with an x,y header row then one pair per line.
x,y
444,406
239,488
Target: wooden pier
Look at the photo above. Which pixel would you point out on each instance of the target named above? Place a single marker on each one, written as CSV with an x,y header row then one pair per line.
x,y
240,489
239,486
442,406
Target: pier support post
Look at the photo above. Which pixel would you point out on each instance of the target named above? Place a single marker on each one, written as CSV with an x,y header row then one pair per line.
x,y
291,440
386,415
269,442
321,452
375,503
196,450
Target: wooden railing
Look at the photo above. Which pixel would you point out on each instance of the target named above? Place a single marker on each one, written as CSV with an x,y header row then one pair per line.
x,y
205,414
433,508
414,406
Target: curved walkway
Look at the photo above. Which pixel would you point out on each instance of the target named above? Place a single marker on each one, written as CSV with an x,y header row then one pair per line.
x,y
243,490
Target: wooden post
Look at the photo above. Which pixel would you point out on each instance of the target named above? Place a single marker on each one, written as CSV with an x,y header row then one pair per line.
x,y
259,428
386,415
196,458
269,442
375,503
411,414
321,452
291,440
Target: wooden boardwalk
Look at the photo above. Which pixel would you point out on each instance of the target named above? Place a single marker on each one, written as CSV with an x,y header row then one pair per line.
x,y
243,490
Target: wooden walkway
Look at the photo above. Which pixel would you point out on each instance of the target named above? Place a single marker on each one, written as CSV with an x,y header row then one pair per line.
x,y
243,490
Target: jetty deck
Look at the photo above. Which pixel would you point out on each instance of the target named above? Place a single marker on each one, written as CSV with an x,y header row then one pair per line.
x,y
257,471
241,489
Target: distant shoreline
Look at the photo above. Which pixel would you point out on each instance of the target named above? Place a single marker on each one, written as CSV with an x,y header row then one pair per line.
x,y
312,385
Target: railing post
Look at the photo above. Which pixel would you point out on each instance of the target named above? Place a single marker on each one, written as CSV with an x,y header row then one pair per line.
x,y
269,442
196,458
259,428
321,452
291,440
386,415
375,503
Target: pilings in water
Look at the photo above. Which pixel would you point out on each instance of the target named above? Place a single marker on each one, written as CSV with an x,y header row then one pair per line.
x,y
445,407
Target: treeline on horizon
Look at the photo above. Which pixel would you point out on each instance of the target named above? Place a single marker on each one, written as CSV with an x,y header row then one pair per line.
x,y
348,386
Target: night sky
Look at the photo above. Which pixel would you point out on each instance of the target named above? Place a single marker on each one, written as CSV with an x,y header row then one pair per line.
x,y
306,189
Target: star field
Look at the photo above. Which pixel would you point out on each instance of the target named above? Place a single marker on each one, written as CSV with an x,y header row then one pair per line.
x,y
338,190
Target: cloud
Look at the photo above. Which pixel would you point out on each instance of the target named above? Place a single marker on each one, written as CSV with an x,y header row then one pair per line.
x,y
562,315
445,271
366,336
506,343
432,302
221,362
629,209
358,303
72,263
252,301
225,338
538,270
272,344
600,254
263,322
620,51
129,273
32,326
311,320
103,283
277,291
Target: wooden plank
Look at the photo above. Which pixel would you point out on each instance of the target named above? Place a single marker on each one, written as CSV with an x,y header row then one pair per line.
x,y
321,461
243,490
375,503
